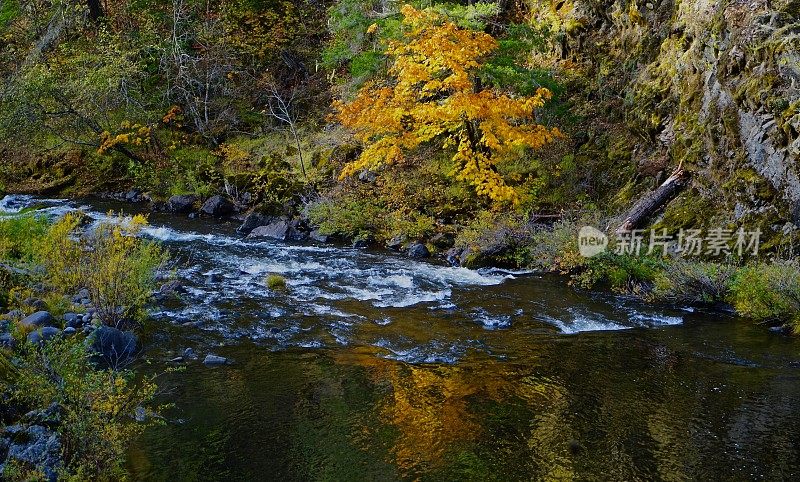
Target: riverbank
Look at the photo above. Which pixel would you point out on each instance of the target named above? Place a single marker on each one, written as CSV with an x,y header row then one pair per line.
x,y
397,328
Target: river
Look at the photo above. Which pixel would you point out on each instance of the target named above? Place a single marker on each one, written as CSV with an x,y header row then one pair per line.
x,y
372,366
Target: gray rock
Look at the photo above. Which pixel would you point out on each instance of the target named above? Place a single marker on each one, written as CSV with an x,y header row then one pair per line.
x,y
217,206
133,196
189,353
364,242
367,176
37,446
36,304
72,319
38,319
7,341
319,237
15,315
70,330
276,230
140,414
49,417
181,203
43,334
115,347
418,250
214,360
396,243
253,221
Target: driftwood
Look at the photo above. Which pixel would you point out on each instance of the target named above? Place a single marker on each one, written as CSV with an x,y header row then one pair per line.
x,y
651,203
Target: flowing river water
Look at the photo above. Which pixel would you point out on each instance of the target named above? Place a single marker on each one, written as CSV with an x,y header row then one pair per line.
x,y
372,366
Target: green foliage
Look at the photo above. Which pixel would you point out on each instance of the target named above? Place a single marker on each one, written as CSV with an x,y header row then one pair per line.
x,y
768,292
351,216
622,273
276,282
358,36
97,421
19,235
694,282
115,266
9,10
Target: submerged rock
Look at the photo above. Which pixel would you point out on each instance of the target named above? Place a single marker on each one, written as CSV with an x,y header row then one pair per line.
x,y
217,206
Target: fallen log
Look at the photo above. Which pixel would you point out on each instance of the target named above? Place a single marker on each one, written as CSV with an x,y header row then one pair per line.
x,y
654,201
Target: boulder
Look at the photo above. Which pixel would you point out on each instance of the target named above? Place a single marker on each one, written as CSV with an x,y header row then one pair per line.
x,y
43,334
38,319
49,417
181,203
443,241
113,346
364,242
7,341
35,303
70,330
217,206
276,230
418,250
214,360
456,256
253,221
396,243
37,446
15,315
133,196
367,176
73,320
315,235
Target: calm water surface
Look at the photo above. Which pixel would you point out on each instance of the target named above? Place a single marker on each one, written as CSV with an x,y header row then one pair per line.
x,y
375,367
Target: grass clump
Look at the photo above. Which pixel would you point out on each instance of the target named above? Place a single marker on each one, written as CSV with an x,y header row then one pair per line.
x,y
768,293
694,282
275,282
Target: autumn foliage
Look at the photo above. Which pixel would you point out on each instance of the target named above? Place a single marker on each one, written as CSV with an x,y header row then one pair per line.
x,y
434,96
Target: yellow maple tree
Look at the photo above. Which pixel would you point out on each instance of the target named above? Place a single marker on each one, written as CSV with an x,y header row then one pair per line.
x,y
434,95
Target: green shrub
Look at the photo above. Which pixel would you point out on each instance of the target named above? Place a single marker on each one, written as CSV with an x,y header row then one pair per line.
x,y
97,422
116,267
19,236
768,292
694,282
276,282
349,216
622,273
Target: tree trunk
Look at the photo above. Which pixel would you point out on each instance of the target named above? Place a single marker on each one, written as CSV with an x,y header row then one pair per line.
x,y
651,203
95,10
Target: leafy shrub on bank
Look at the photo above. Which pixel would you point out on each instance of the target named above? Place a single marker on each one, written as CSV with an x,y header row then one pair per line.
x,y
350,216
111,262
96,407
694,282
768,292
